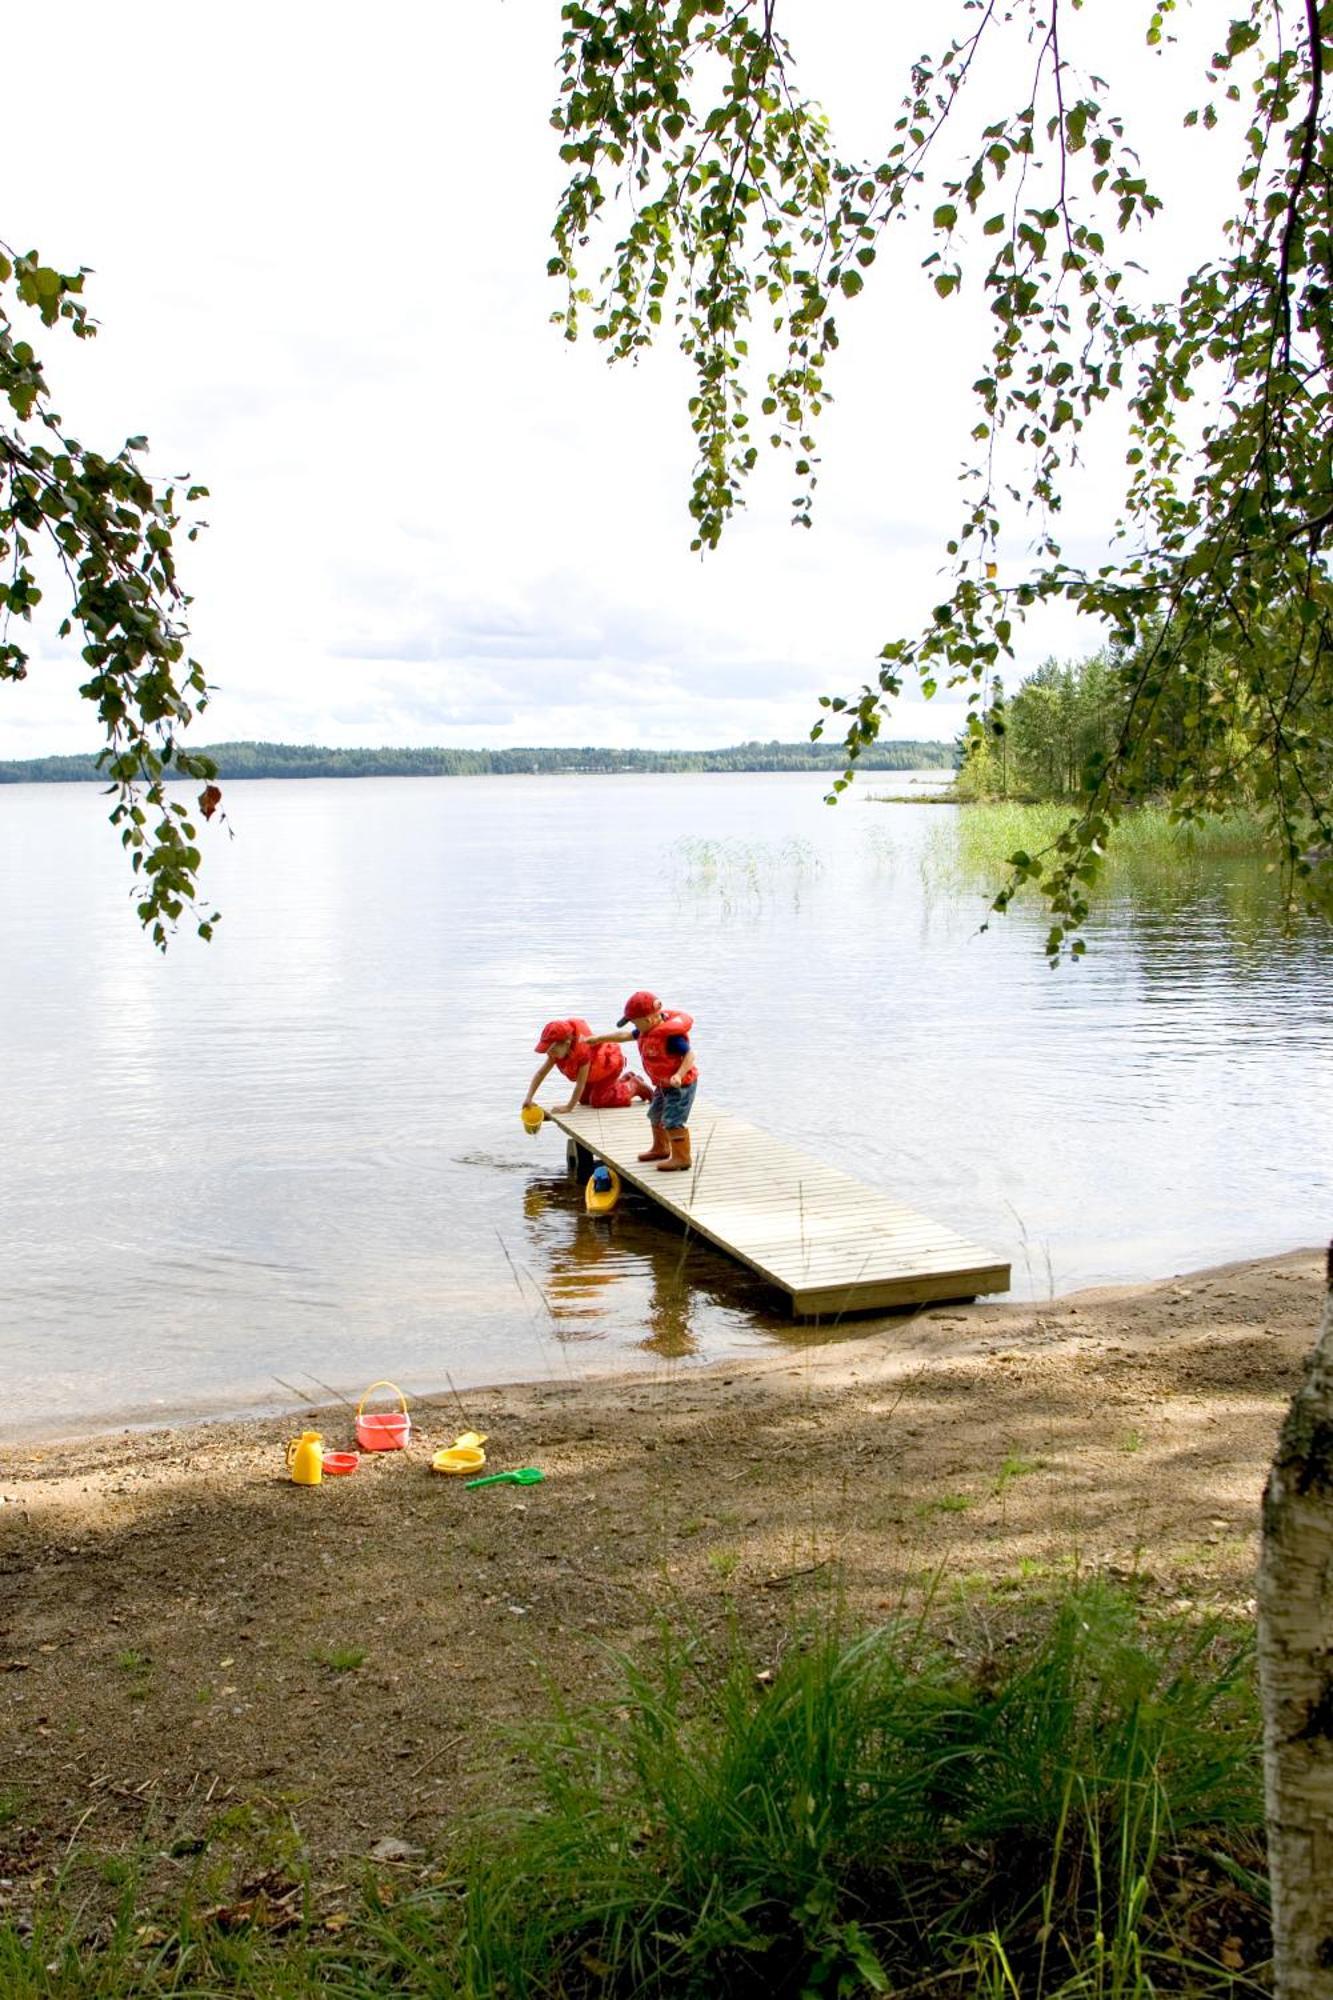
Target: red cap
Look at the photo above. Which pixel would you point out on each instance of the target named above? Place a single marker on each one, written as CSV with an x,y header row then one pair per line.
x,y
637,1006
554,1031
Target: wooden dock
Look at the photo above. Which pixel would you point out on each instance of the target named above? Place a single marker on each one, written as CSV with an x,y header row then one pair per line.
x,y
831,1243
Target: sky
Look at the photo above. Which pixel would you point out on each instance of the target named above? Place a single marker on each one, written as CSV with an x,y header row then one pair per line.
x,y
319,238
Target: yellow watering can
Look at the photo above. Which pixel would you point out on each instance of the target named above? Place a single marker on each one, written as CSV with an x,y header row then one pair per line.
x,y
305,1458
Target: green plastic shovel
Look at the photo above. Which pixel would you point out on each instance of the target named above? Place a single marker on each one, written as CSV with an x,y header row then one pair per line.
x,y
527,1475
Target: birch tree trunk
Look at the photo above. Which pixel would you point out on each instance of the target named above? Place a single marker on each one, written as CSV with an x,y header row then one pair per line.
x,y
1296,1679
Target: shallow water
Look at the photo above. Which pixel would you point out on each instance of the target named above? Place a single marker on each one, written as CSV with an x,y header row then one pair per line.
x,y
296,1153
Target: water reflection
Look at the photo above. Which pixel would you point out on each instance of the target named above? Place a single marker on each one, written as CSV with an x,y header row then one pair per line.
x,y
632,1269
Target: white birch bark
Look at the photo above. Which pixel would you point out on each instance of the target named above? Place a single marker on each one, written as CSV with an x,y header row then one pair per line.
x,y
1296,1679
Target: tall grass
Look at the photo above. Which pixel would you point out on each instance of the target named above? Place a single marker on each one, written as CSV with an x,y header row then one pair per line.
x,y
874,1819
1074,1816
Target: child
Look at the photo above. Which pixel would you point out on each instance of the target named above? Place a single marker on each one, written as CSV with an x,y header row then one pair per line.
x,y
594,1072
664,1050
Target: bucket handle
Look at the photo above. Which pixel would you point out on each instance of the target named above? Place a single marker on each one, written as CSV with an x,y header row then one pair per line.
x,y
383,1383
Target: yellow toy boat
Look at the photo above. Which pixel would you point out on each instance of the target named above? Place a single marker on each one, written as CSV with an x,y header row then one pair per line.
x,y
602,1190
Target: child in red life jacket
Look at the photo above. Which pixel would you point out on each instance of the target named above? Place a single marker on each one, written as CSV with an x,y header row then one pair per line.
x,y
665,1052
596,1073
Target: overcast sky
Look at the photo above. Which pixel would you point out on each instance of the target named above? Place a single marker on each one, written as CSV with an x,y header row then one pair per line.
x,y
319,237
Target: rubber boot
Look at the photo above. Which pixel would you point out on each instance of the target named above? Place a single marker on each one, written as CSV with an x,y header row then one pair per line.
x,y
660,1148
680,1162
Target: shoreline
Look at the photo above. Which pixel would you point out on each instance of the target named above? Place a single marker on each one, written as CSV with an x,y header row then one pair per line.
x,y
212,1419
190,1644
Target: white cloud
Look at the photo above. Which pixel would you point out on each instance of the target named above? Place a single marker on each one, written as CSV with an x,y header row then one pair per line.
x,y
320,238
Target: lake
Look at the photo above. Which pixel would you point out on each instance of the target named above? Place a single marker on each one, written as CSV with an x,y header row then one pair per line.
x,y
293,1157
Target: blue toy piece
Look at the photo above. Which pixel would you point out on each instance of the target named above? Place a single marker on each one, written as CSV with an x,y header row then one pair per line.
x,y
602,1190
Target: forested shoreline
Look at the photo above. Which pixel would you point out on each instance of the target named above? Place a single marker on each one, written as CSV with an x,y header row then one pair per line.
x,y
304,760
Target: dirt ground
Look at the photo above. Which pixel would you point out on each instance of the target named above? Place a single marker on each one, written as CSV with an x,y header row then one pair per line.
x,y
195,1652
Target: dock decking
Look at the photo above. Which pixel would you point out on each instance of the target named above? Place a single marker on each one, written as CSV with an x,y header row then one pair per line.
x,y
830,1242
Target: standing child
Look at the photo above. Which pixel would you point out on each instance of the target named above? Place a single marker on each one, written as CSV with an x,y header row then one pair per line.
x,y
666,1054
594,1072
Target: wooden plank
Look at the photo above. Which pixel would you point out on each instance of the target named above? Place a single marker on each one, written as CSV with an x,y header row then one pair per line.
x,y
931,1290
826,1239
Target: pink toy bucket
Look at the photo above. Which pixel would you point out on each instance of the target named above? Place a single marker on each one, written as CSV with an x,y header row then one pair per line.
x,y
383,1430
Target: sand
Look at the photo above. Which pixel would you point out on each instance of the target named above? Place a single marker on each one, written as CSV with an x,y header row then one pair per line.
x,y
200,1660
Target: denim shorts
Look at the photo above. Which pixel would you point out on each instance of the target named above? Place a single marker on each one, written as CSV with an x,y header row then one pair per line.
x,y
671,1108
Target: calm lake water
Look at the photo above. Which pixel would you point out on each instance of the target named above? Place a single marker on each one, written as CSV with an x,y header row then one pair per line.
x,y
296,1153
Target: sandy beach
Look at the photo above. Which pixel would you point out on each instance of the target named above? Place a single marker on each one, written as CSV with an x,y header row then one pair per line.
x,y
202,1661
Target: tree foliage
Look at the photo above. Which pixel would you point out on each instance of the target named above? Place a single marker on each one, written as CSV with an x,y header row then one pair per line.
x,y
687,130
110,533
312,760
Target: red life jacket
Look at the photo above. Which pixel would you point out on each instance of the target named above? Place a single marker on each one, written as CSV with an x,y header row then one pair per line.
x,y
605,1063
657,1058
612,1093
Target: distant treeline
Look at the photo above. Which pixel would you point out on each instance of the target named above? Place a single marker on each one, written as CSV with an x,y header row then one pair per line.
x,y
304,760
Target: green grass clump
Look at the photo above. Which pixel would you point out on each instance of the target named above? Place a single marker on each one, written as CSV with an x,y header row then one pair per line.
x,y
340,1659
874,1817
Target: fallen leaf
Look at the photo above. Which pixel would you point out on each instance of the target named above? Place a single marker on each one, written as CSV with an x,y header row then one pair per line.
x,y
270,1904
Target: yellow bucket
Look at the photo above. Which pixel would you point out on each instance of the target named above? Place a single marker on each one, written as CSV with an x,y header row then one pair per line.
x,y
533,1117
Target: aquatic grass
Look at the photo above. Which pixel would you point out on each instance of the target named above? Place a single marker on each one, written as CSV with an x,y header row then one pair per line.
x,y
974,844
744,871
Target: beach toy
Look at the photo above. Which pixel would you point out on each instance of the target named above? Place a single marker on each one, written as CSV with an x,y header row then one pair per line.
x,y
533,1117
602,1191
337,1464
383,1430
465,1454
526,1475
304,1459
